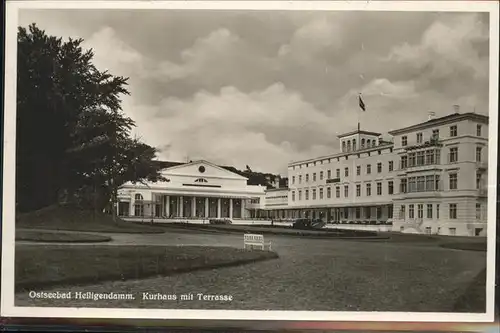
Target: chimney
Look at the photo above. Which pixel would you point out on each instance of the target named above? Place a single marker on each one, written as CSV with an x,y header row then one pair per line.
x,y
432,114
456,108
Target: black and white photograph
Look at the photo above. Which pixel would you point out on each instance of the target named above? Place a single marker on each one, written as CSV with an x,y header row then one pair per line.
x,y
258,160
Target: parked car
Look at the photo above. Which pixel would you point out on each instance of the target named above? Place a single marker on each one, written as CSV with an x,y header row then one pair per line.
x,y
308,224
220,221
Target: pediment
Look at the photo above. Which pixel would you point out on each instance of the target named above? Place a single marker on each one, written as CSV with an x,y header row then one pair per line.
x,y
201,170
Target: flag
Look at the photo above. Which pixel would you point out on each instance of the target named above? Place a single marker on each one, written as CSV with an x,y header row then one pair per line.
x,y
361,103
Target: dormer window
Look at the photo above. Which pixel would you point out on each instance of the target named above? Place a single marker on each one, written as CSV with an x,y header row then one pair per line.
x,y
201,180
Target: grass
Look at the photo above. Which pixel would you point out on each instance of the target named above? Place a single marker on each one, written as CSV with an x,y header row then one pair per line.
x,y
49,265
470,246
276,230
58,237
70,218
475,296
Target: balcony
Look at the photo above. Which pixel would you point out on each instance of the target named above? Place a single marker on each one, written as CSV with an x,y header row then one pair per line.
x,y
481,165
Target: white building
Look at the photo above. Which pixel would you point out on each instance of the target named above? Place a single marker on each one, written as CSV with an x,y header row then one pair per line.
x,y
430,178
198,189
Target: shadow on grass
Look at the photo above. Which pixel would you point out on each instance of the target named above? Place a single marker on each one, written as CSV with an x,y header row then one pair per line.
x,y
51,265
59,237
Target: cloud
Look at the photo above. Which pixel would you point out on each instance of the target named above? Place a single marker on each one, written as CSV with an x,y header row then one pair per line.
x,y
447,46
272,126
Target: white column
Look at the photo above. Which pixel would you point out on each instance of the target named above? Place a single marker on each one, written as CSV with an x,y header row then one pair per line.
x,y
206,207
230,208
167,206
218,208
181,207
132,204
193,206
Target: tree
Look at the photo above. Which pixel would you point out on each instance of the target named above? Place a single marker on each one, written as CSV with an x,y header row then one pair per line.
x,y
73,140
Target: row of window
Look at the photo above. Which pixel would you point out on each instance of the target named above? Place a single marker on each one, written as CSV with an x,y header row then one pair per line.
x,y
329,160
435,134
433,156
346,145
429,211
346,172
321,192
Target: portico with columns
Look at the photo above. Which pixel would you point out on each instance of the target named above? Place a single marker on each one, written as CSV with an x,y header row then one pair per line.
x,y
195,190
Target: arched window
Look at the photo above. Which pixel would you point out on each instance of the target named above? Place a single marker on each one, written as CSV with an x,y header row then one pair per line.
x,y
368,143
139,197
201,180
374,142
349,145
362,143
353,144
343,146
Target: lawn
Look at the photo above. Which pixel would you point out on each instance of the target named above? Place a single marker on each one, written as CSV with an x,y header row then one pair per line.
x,y
58,237
41,266
69,218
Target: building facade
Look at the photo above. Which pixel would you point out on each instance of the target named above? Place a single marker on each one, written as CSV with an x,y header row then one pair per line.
x,y
195,190
429,178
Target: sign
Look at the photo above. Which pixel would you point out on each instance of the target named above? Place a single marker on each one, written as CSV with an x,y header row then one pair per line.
x,y
251,241
333,180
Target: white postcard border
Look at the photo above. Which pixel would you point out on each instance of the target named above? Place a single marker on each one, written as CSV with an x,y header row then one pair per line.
x,y
8,212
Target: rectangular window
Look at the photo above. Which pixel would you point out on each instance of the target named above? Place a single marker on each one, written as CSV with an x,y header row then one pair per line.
x,y
421,184
346,172
379,167
321,175
293,195
379,213
358,212
358,190
453,131
420,211
389,211
293,180
300,195
402,212
314,194
404,162
478,211
437,186
391,166
420,158
138,210
307,177
379,188
403,185
411,212
453,155
300,179
453,211
412,159
346,191
429,156
453,181
453,231
320,193
478,130
404,140
478,153
338,173
368,169
428,230
337,191
307,194
368,189
358,170
390,186
435,134
429,211
437,211
314,177
329,174
420,137
328,192
478,180
412,184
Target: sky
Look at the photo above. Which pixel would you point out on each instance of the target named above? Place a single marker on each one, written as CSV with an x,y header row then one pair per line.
x,y
264,88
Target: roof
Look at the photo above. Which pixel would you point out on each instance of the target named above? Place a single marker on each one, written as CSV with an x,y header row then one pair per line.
x,y
358,132
441,120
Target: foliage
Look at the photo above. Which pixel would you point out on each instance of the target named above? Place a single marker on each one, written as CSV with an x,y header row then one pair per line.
x,y
73,140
